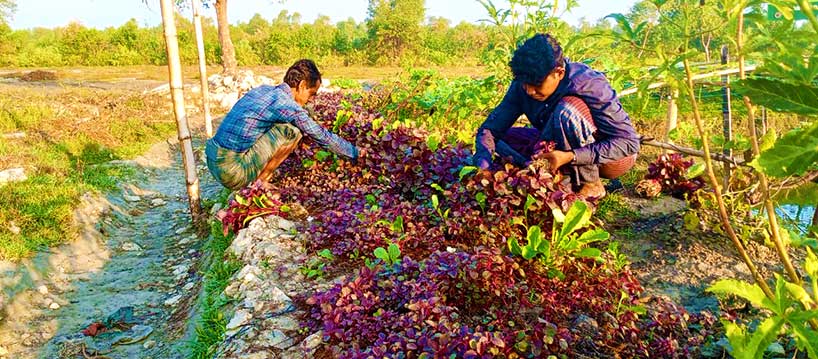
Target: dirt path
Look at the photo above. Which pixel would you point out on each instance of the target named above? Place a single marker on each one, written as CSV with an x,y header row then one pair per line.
x,y
137,250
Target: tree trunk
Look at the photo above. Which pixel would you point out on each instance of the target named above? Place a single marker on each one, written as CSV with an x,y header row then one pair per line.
x,y
229,64
175,73
197,25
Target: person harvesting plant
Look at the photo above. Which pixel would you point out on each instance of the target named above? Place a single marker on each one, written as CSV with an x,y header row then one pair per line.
x,y
265,126
567,103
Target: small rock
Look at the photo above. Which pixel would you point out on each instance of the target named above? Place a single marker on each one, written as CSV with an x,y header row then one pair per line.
x,y
180,269
149,344
280,303
25,336
241,318
189,286
229,99
172,301
181,230
278,339
131,198
13,175
130,247
13,228
282,323
54,306
156,202
42,290
14,136
311,342
4,351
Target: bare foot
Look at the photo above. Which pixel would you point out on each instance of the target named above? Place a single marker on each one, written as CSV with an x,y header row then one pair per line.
x,y
592,190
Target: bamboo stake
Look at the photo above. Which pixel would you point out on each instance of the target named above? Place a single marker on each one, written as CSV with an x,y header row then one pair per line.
x,y
659,84
780,247
727,114
672,114
183,131
693,152
725,219
197,26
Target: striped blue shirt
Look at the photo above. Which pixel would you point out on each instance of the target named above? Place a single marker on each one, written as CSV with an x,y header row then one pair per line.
x,y
264,106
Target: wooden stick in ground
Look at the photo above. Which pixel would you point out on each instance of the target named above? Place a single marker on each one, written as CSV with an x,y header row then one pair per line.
x,y
780,247
694,152
672,114
175,72
711,175
197,26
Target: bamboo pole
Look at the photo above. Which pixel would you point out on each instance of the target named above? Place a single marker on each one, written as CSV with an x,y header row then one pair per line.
x,y
672,114
659,84
197,26
693,152
183,131
727,114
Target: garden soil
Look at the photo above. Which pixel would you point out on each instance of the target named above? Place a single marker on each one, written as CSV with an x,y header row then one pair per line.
x,y
137,251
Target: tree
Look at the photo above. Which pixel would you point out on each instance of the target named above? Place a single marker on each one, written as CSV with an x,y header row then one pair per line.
x,y
7,8
394,25
229,63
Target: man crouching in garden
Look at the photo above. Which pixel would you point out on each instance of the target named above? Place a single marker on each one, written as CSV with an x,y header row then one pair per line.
x,y
567,103
264,127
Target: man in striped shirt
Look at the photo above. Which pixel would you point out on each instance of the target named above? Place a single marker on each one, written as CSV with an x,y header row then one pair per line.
x,y
265,126
568,103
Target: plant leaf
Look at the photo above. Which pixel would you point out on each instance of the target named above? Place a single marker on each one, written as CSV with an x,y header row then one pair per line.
x,y
577,218
394,252
695,170
534,237
397,225
381,254
559,217
466,170
793,154
594,235
750,292
514,246
781,96
589,253
806,339
528,253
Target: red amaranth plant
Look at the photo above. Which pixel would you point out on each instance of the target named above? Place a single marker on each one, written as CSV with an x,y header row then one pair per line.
x,y
250,202
670,170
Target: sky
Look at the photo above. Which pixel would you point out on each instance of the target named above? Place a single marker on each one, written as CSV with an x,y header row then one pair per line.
x,y
106,13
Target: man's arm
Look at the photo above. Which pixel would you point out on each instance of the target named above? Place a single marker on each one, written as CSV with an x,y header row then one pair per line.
x,y
320,135
495,126
619,138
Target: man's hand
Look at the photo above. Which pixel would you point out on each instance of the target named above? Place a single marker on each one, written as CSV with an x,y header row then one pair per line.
x,y
557,159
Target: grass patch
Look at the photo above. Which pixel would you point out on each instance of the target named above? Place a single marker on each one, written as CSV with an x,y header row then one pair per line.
x,y
212,324
70,136
613,207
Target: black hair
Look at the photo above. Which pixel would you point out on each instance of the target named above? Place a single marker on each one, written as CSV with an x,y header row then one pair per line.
x,y
536,58
305,70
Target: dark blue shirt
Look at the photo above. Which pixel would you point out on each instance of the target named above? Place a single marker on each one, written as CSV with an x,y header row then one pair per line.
x,y
616,137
